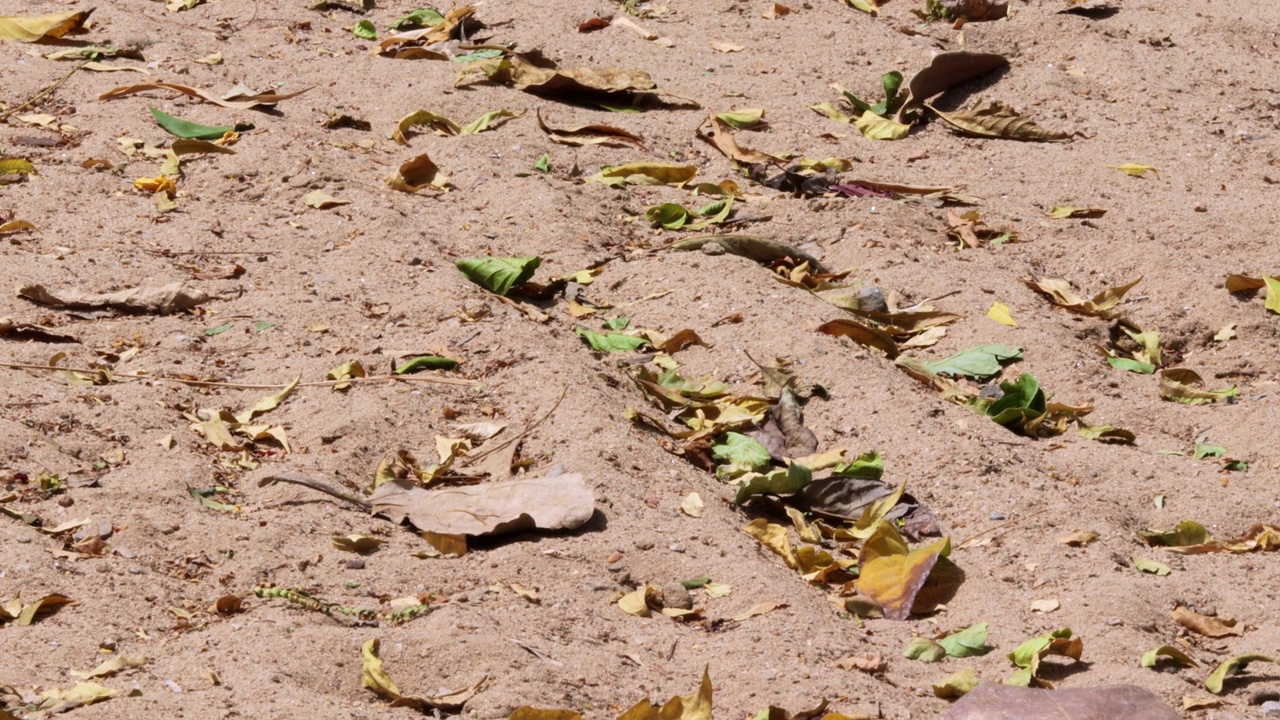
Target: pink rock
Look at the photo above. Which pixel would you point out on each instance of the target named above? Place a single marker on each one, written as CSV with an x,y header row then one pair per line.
x,y
993,701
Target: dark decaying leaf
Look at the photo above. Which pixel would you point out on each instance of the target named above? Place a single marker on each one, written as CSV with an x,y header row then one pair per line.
x,y
552,503
11,329
1095,9
990,701
945,71
996,120
844,497
784,432
762,250
540,76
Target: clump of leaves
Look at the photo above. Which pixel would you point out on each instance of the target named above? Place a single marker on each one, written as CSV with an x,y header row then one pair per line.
x,y
873,121
1024,408
1028,655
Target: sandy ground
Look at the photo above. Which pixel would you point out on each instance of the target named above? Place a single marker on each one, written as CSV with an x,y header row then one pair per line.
x,y
1186,87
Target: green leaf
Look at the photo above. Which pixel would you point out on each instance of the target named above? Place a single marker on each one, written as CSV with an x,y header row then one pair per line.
x,y
742,119
543,165
206,498
695,583
218,329
1035,647
623,109
1235,465
1106,434
486,54
365,29
499,274
1023,402
978,363
611,342
742,451
1150,658
483,122
1150,566
425,362
891,81
618,323
1133,366
924,650
874,127
261,325
867,465
966,642
1231,668
1273,294
957,685
422,17
1185,533
1204,451
189,130
671,216
1186,386
778,482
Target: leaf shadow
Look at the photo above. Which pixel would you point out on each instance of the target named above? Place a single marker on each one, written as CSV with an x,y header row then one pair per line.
x,y
953,98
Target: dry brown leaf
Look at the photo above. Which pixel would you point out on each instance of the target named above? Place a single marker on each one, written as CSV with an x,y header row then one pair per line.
x,y
775,10
420,173
901,580
374,678
727,47
164,299
944,72
13,330
862,334
759,609
975,10
426,42
590,135
237,99
31,28
1061,293
553,503
547,79
872,663
1078,539
107,668
717,132
1207,625
997,120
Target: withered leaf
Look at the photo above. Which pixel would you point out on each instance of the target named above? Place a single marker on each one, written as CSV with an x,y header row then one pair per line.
x,y
590,134
901,580
419,173
31,28
997,120
718,133
1207,625
862,334
165,299
762,250
11,329
551,503
1061,293
945,71
374,678
237,99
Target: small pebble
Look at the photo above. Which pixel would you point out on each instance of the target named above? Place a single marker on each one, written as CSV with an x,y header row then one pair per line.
x,y
997,516
24,539
66,501
136,571
1201,207
676,548
598,585
1271,708
644,545
355,564
614,567
614,557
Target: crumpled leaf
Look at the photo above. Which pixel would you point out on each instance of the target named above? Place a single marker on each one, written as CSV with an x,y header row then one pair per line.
x,y
692,505
1187,532
1150,566
56,700
994,119
974,10
549,503
164,299
1260,537
1231,668
759,249
783,481
742,119
542,77
582,135
374,678
966,642
642,601
424,362
773,537
26,613
499,274
10,328
445,127
945,71
268,403
924,650
1207,625
189,130
31,28
1063,212
239,98
645,173
1028,655
422,17
739,453
1152,657
875,127
904,581
1106,434
862,334
611,342
1101,305
994,700
1186,386
979,363
718,133
416,174
674,216
956,685
107,668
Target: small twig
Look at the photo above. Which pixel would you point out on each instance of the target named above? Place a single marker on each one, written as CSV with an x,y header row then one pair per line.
x,y
43,93
523,433
317,485
1001,528
460,382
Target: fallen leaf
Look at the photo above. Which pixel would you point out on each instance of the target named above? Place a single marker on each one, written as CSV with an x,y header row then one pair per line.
x,y
1101,305
374,678
1228,332
997,120
1186,386
1152,657
110,667
322,200
11,329
875,127
1045,606
1231,668
1150,566
1028,655
582,135
26,613
903,581
238,99
974,10
956,685
1187,532
416,174
924,650
1135,169
357,543
268,403
56,700
1106,434
1063,212
530,594
165,299
189,130
424,362
445,127
759,609
214,59
552,503
1260,537
945,71
644,173
1000,313
692,505
718,134
1190,703
545,78
759,249
31,28
1078,539
344,373
776,10
979,363
862,334
773,537
742,119
637,602
727,47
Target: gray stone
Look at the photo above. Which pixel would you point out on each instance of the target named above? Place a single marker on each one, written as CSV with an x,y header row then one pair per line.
x,y
674,595
871,299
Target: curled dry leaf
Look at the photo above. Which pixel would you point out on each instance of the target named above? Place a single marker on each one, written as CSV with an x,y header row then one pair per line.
x,y
997,120
374,678
32,28
1187,387
420,173
1230,668
322,200
645,173
590,134
238,99
13,330
107,668
1061,293
542,77
553,503
719,134
1207,625
1260,537
165,299
862,334
357,543
944,72
759,609
1152,657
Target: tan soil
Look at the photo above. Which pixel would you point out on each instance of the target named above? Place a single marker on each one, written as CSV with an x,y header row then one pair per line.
x,y
1188,87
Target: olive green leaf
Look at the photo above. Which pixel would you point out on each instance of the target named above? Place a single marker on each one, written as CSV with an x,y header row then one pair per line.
x,y
499,274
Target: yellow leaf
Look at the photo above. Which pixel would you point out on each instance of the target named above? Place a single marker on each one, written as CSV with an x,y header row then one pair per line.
x,y
355,542
727,47
529,594
773,537
268,403
32,28
875,127
374,678
692,505
895,577
322,200
157,184
1135,169
645,173
869,522
110,667
417,174
1000,313
759,609
637,601
214,59
84,693
1273,294
344,373
449,448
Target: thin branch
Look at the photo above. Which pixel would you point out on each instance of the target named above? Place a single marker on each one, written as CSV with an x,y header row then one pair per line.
x,y
43,93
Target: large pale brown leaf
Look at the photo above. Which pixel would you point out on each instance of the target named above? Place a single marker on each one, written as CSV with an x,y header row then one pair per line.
x,y
236,99
1060,292
552,503
717,132
944,72
171,298
417,43
30,28
1207,625
997,120
760,249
